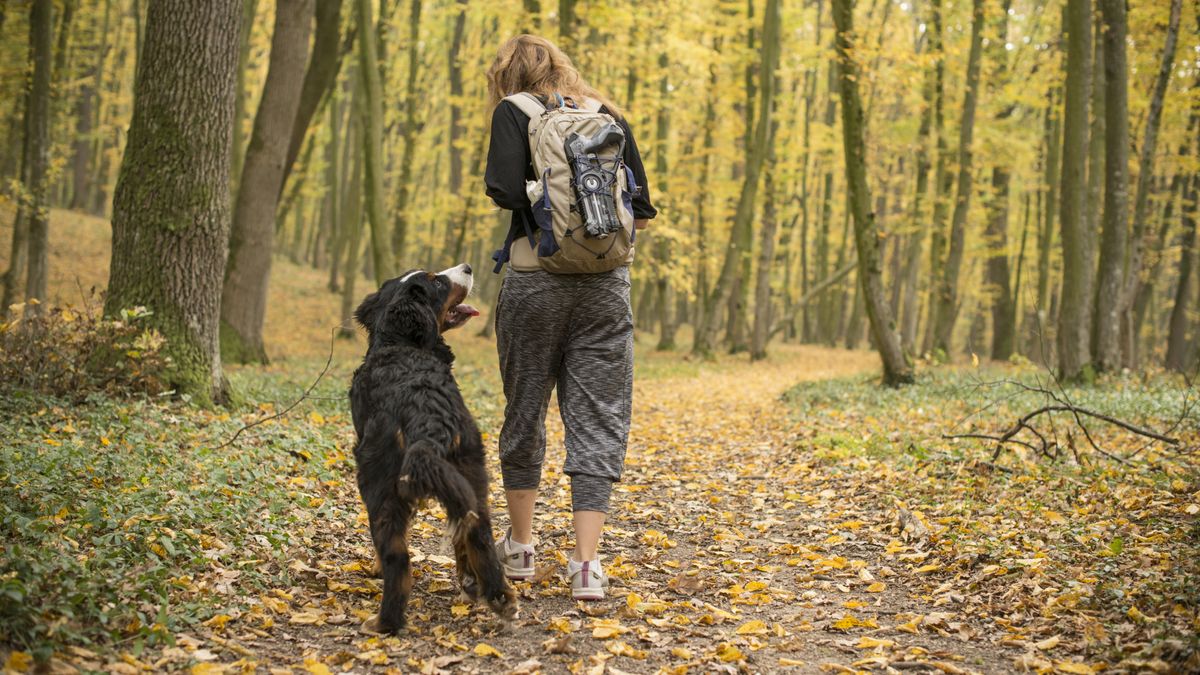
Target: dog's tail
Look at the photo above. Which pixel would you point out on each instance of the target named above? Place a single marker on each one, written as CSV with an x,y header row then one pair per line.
x,y
426,473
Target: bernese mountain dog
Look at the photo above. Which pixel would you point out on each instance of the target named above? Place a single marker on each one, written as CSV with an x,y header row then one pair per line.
x,y
417,440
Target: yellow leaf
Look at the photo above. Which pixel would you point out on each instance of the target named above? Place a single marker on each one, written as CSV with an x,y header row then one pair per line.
x,y
1135,614
632,601
865,642
603,629
315,667
755,586
207,669
877,587
460,610
218,621
316,417
785,661
847,622
729,653
484,649
561,624
911,626
18,661
681,653
622,649
305,618
931,567
1048,643
755,627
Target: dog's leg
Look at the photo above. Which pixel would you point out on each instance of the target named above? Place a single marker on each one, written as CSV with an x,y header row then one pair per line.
x,y
390,533
475,549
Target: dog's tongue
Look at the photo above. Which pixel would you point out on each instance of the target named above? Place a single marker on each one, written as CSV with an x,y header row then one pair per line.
x,y
467,309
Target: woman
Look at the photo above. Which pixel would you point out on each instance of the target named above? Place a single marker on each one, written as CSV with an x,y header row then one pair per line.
x,y
543,343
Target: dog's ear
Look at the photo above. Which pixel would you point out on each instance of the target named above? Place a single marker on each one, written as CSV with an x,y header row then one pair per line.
x,y
368,310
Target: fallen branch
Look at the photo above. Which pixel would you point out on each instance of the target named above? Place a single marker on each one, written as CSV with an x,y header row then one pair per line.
x,y
304,397
1024,423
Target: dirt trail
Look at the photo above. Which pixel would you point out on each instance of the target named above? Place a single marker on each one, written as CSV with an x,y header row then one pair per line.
x,y
730,548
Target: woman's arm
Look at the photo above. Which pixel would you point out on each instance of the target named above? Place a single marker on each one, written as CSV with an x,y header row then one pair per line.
x,y
643,210
508,158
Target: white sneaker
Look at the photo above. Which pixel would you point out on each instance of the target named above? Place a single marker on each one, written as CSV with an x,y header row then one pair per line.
x,y
587,579
516,558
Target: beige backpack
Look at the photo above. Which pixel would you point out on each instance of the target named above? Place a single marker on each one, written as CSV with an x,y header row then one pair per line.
x,y
580,229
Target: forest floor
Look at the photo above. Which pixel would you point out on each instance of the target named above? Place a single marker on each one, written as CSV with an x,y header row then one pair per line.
x,y
784,515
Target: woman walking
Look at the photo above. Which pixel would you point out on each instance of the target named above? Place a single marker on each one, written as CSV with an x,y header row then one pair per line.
x,y
570,331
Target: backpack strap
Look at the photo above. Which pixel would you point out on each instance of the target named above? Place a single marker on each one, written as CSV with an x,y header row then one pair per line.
x,y
590,105
531,106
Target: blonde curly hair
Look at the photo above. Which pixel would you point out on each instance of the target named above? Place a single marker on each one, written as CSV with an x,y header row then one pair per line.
x,y
531,63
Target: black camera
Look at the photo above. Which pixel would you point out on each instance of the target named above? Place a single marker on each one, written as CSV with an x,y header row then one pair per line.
x,y
594,178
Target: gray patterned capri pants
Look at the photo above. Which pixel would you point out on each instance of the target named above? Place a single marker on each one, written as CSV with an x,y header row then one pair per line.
x,y
573,332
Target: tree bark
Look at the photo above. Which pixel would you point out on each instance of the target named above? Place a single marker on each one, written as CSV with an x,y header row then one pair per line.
x,y
171,205
252,238
400,222
1177,343
371,111
1110,284
1004,315
662,245
1138,242
943,179
319,78
948,300
1074,358
249,12
896,370
909,296
742,229
41,29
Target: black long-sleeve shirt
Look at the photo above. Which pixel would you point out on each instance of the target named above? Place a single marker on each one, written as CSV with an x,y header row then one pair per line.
x,y
510,164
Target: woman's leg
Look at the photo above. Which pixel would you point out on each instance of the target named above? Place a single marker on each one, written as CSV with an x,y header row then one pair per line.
x,y
520,514
589,525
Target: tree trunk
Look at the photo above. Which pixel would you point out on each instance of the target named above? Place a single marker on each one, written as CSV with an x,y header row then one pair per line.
x,y
1135,271
352,223
896,370
171,205
1074,359
249,12
400,224
1004,315
319,78
943,179
370,108
1106,329
948,300
1177,343
742,229
703,317
910,302
662,245
244,296
762,286
1094,201
566,22
1045,239
41,28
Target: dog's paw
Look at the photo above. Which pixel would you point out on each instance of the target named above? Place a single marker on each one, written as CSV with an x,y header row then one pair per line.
x,y
505,605
469,586
374,626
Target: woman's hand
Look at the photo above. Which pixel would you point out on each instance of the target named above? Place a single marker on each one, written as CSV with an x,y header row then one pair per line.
x,y
641,223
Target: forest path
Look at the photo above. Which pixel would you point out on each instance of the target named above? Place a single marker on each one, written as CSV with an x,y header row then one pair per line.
x,y
730,548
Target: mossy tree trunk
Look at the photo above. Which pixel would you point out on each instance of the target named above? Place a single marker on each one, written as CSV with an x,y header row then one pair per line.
x,y
371,115
1110,284
1177,342
171,206
252,239
41,30
896,370
1074,354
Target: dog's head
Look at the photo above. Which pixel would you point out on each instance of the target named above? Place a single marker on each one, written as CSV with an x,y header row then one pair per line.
x,y
417,307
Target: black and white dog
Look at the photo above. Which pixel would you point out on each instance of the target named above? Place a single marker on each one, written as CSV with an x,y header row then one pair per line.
x,y
416,438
